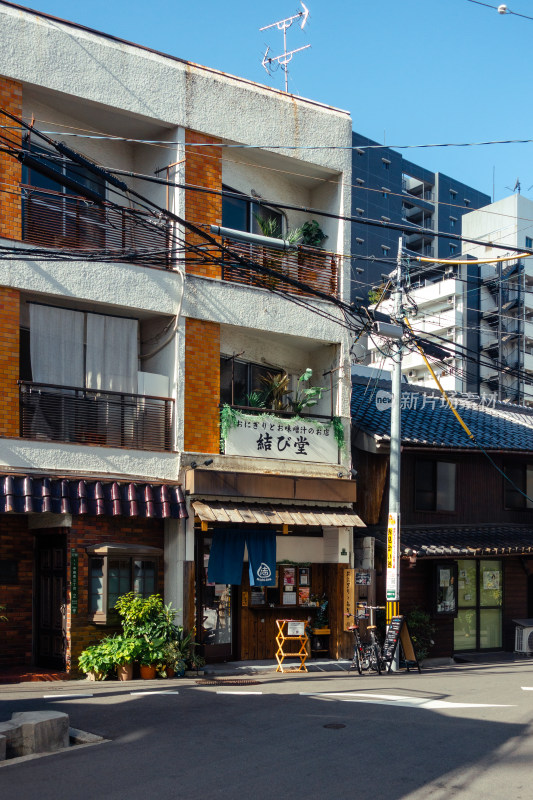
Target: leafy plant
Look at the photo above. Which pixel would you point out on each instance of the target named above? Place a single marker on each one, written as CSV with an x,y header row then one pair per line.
x,y
3,617
421,630
312,234
276,390
255,399
305,397
96,658
269,226
146,617
123,649
151,651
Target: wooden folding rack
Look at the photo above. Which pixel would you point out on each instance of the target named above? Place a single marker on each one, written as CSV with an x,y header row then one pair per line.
x,y
281,638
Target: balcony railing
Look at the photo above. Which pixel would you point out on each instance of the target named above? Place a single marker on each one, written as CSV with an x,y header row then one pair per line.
x,y
86,416
317,268
52,219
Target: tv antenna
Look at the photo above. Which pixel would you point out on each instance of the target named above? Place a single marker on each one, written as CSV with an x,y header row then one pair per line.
x,y
271,63
516,187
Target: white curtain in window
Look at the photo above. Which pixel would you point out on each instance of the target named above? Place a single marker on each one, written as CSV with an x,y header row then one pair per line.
x,y
111,359
56,345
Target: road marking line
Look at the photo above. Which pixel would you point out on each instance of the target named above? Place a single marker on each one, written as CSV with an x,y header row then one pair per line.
x,y
402,700
236,691
64,696
154,691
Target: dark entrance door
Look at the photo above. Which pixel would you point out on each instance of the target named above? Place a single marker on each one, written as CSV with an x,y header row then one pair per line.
x,y
51,574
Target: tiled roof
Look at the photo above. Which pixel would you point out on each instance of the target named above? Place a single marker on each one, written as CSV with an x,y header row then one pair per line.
x,y
460,541
428,420
26,494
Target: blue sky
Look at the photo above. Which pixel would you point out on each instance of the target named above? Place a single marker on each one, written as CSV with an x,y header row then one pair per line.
x,y
409,71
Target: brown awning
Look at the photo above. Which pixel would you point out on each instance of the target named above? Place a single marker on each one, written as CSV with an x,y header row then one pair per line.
x,y
29,494
275,514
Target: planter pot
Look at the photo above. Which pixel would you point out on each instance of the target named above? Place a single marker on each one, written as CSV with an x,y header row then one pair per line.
x,y
96,676
148,671
125,672
170,672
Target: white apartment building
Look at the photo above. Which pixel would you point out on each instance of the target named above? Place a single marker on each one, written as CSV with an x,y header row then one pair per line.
x,y
122,334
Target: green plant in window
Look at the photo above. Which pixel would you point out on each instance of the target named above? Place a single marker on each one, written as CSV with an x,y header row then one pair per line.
x,y
276,390
305,396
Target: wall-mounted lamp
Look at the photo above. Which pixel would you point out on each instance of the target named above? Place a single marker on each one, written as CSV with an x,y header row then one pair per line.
x,y
195,465
348,473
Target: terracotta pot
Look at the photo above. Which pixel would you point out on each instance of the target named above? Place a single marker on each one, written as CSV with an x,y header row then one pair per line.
x,y
125,672
96,676
170,672
148,671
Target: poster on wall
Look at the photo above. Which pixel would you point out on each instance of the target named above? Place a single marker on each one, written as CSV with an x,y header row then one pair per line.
x,y
268,436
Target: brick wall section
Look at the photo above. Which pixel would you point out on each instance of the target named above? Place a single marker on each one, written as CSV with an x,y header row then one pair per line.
x,y
10,168
16,542
202,386
203,167
88,531
9,361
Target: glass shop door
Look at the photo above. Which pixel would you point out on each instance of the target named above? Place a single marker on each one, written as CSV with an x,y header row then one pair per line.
x,y
214,608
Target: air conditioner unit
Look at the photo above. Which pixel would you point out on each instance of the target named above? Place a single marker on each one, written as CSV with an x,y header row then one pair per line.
x,y
450,300
523,642
411,373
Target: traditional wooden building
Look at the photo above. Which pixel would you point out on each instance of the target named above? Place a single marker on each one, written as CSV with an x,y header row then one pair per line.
x,y
466,537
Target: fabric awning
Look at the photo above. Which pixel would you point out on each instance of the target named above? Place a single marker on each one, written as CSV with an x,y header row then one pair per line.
x,y
275,514
27,494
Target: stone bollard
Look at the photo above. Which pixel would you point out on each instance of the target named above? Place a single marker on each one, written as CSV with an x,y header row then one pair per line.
x,y
3,743
36,732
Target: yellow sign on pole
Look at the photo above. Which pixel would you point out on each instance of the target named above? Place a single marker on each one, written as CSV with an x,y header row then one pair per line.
x,y
393,566
349,597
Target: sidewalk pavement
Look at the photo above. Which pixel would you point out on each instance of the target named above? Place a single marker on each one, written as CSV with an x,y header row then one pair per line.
x,y
241,669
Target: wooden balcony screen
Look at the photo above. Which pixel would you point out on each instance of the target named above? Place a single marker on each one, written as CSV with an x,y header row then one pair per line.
x,y
316,268
55,220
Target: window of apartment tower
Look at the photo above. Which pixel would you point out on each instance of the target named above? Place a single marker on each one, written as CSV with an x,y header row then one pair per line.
x,y
435,485
116,569
529,241
517,484
241,213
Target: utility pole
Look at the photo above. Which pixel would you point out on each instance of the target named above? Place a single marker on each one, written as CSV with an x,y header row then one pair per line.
x,y
393,526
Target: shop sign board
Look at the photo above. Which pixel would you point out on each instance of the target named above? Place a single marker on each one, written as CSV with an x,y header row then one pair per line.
x,y
349,598
398,634
295,628
363,579
393,552
268,436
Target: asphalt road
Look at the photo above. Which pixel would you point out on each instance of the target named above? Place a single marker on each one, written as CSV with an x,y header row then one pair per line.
x,y
464,731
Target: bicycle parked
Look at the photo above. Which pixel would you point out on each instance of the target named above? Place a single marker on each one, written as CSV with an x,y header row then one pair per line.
x,y
368,654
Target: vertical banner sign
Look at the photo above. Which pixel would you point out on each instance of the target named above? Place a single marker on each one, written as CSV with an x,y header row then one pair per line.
x,y
73,581
349,597
393,566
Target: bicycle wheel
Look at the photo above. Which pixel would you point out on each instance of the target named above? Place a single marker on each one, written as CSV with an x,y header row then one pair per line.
x,y
365,658
356,663
377,658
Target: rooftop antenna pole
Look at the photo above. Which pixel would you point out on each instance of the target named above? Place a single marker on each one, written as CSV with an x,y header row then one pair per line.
x,y
285,57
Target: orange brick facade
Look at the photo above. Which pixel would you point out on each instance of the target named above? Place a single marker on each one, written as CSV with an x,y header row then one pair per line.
x,y
202,386
203,167
9,361
10,168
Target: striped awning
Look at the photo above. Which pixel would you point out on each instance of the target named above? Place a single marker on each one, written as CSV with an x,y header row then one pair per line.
x,y
28,494
275,514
